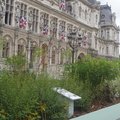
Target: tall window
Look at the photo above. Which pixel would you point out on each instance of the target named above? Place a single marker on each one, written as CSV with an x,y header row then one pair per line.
x,y
62,30
44,19
96,43
85,14
23,10
6,50
69,28
32,51
35,20
53,55
44,59
20,49
9,12
96,19
80,11
102,34
108,34
107,50
53,26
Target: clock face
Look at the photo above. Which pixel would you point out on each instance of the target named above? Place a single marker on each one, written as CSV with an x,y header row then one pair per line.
x,y
102,16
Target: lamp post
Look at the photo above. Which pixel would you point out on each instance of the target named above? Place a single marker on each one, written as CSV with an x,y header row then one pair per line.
x,y
74,41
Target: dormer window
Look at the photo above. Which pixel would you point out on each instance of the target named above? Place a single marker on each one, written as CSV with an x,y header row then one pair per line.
x,y
102,16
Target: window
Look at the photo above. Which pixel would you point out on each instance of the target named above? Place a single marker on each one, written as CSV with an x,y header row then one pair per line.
x,y
53,55
9,12
107,50
96,43
62,30
53,27
102,16
96,19
6,49
102,34
32,51
69,28
108,35
23,10
44,19
85,14
69,8
20,49
22,16
44,58
80,11
35,21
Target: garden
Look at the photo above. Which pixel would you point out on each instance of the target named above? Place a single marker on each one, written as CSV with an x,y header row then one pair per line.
x,y
25,96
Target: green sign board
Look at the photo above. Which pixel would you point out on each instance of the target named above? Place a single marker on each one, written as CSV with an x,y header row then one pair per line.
x,y
109,113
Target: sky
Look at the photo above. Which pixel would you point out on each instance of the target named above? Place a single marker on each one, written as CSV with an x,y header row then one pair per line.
x,y
115,6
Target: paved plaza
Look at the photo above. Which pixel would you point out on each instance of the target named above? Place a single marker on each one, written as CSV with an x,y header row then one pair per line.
x,y
109,113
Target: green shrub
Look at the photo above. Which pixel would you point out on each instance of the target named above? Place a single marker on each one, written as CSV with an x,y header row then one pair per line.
x,y
89,77
21,96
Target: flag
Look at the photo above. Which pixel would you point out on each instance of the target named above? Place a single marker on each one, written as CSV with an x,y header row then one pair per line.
x,y
62,4
22,22
45,30
62,36
85,40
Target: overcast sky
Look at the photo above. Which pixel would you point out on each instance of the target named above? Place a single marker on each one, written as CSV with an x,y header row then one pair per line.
x,y
115,5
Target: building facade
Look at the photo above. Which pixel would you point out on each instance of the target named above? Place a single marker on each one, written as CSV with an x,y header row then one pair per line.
x,y
27,25
109,33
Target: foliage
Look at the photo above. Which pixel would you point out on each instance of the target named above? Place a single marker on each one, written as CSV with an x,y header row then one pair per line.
x,y
90,78
96,70
22,96
25,97
16,62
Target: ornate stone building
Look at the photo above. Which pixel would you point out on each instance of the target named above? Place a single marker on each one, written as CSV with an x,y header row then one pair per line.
x,y
109,33
47,25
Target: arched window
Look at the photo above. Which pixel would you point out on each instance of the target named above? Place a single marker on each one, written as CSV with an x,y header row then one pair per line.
x,y
44,57
6,46
21,46
53,61
32,51
6,50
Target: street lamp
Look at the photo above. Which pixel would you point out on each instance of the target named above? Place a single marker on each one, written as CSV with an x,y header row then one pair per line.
x,y
74,41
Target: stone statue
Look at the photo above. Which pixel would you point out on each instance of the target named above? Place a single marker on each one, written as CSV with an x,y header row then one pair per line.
x,y
17,14
30,18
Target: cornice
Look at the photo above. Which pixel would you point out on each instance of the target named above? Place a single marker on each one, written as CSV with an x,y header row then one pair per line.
x,y
65,15
111,25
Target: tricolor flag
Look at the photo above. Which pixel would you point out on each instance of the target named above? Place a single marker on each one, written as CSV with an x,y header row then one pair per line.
x,y
45,30
22,22
62,4
62,36
85,40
